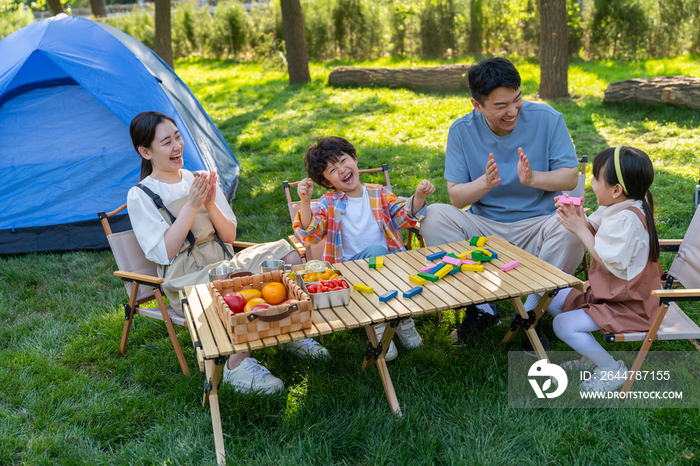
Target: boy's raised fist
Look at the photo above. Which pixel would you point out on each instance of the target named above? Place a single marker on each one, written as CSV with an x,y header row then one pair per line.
x,y
305,189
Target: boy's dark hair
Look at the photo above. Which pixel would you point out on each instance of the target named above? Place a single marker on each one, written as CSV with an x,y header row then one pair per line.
x,y
490,74
638,173
325,151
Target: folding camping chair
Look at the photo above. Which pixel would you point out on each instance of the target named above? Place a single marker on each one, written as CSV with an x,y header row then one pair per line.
x,y
671,323
135,270
315,251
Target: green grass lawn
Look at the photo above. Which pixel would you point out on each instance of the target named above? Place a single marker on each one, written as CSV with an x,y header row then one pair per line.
x,y
68,397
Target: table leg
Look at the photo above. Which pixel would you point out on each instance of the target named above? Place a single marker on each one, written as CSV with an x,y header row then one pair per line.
x,y
388,335
530,331
214,370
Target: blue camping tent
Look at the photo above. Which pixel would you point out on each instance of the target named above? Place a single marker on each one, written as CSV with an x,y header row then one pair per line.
x,y
69,88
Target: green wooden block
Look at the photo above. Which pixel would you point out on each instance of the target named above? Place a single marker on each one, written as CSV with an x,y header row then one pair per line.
x,y
372,263
428,276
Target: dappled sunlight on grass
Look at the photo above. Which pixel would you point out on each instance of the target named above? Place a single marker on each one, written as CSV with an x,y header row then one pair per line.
x,y
295,399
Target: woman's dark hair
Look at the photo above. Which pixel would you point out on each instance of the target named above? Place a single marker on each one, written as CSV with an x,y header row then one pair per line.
x,y
490,74
143,132
638,174
325,151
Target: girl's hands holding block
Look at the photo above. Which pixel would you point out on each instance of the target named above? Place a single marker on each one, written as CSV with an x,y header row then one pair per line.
x,y
305,190
572,217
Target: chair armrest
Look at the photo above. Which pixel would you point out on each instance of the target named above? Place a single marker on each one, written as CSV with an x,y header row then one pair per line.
x,y
669,245
301,250
689,293
238,245
138,277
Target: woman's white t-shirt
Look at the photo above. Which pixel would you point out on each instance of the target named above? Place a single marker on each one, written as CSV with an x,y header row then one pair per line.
x,y
147,221
359,228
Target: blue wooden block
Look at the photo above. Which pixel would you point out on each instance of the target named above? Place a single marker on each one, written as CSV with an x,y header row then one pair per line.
x,y
412,292
388,295
436,255
436,268
454,271
493,254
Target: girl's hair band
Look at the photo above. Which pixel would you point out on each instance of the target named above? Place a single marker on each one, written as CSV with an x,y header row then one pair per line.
x,y
618,170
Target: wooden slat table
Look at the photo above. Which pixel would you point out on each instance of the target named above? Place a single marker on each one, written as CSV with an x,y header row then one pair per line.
x,y
213,346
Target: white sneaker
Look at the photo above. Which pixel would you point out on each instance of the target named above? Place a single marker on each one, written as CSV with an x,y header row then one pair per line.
x,y
408,334
583,364
392,352
308,347
251,376
606,381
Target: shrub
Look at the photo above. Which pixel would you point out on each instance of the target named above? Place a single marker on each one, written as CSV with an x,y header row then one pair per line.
x,y
232,27
139,24
437,28
13,16
616,28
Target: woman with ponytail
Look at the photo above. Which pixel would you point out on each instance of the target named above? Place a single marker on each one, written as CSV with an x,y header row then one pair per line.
x,y
621,238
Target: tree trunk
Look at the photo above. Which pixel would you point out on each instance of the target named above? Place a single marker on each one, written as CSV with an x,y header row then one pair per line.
x,y
681,91
445,77
696,47
163,39
99,8
56,6
554,49
295,42
476,31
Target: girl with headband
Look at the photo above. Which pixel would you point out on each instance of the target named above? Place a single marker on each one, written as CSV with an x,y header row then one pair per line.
x,y
624,247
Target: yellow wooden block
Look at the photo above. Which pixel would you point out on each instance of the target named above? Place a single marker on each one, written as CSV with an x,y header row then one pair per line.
x,y
447,268
485,251
363,288
416,279
481,241
464,255
379,262
472,268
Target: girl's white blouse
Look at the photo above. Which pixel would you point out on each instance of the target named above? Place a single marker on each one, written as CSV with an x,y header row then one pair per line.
x,y
622,242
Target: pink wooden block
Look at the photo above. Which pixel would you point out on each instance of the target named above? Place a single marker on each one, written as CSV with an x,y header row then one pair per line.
x,y
427,268
469,263
452,261
569,200
510,265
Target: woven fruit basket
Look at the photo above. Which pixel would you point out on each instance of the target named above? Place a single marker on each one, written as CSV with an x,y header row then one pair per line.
x,y
275,320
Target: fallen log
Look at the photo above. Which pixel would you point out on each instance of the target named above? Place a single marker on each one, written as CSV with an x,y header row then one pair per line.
x,y
681,91
445,77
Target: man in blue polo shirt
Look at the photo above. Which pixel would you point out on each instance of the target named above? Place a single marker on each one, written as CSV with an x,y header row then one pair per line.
x,y
507,160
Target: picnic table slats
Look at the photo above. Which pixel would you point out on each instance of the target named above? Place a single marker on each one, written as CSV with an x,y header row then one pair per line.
x,y
217,328
331,319
443,285
398,276
320,323
435,295
381,286
209,348
534,260
367,301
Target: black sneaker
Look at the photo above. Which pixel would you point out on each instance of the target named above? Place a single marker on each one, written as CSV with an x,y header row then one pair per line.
x,y
546,344
475,320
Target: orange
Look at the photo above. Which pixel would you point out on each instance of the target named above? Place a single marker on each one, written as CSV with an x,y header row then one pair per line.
x,y
274,292
252,303
250,294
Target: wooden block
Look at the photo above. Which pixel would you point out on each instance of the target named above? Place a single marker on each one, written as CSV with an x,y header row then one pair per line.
x,y
464,255
485,251
372,263
379,263
510,265
436,255
569,200
452,261
412,292
416,279
363,288
427,268
454,270
436,268
428,276
452,254
388,295
473,241
472,268
467,262
493,254
481,241
479,256
447,268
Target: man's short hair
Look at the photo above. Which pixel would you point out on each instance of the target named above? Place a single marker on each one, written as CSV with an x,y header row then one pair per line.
x,y
324,152
490,74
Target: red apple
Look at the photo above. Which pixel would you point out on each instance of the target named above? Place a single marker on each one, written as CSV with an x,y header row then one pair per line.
x,y
235,301
288,302
260,307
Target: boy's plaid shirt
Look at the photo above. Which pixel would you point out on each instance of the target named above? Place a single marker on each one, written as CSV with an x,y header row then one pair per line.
x,y
391,214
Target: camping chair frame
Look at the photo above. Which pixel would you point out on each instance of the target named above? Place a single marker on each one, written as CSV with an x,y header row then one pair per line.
x,y
137,285
670,322
301,248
